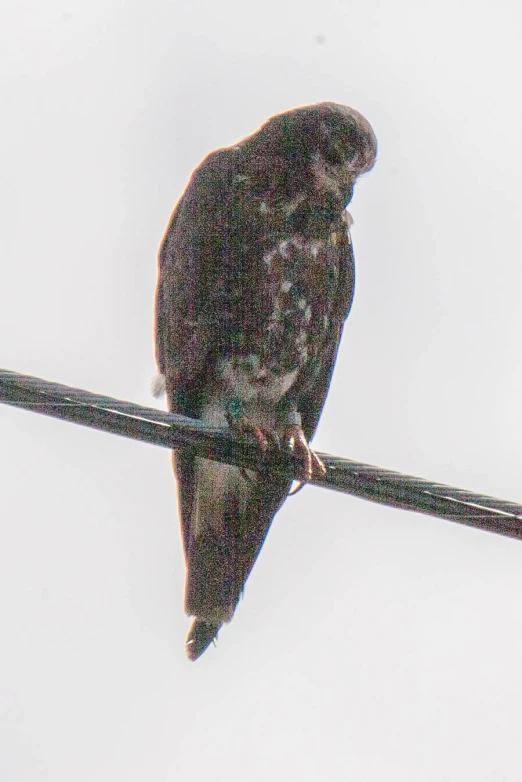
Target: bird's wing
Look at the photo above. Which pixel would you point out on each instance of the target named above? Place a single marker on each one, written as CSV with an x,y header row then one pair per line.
x,y
312,387
188,263
185,329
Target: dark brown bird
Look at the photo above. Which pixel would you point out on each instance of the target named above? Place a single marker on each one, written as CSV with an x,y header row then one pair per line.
x,y
256,279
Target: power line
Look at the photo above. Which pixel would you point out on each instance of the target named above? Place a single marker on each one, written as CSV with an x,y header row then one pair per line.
x,y
176,431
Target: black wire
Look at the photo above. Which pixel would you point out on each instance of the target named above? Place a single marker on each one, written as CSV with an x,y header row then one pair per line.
x,y
176,431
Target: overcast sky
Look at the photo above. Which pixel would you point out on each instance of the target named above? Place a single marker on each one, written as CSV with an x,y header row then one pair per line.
x,y
371,644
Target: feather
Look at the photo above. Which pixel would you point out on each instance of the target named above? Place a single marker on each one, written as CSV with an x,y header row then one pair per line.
x,y
201,635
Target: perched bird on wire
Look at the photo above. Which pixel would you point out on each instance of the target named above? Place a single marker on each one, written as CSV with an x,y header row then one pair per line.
x,y
256,279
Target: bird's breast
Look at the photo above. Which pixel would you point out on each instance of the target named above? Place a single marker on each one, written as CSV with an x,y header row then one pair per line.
x,y
253,378
282,320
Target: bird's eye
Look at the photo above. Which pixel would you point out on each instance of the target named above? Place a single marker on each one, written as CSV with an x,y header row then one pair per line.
x,y
340,148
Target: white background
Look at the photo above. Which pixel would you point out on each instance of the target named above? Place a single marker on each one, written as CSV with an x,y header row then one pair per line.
x,y
372,644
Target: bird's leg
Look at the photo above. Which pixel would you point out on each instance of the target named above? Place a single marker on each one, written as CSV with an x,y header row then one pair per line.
x,y
240,423
295,441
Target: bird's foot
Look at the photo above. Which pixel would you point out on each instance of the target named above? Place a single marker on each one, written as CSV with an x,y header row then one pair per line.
x,y
267,439
294,440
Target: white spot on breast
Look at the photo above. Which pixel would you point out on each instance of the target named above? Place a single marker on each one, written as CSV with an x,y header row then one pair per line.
x,y
244,378
281,248
301,345
268,258
291,206
213,413
248,366
315,247
272,388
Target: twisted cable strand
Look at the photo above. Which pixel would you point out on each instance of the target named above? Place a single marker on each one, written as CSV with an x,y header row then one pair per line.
x,y
170,430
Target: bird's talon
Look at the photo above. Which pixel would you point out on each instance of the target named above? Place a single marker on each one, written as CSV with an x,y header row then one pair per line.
x,y
297,444
300,485
318,467
267,439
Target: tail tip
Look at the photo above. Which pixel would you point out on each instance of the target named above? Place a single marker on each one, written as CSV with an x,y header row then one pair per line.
x,y
201,635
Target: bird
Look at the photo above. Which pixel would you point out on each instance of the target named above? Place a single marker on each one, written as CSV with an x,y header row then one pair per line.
x,y
255,281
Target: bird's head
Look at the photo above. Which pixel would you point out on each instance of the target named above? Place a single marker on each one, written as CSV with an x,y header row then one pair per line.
x,y
332,142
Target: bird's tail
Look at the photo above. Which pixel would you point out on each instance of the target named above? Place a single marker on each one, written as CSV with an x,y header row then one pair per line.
x,y
225,515
215,576
200,637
